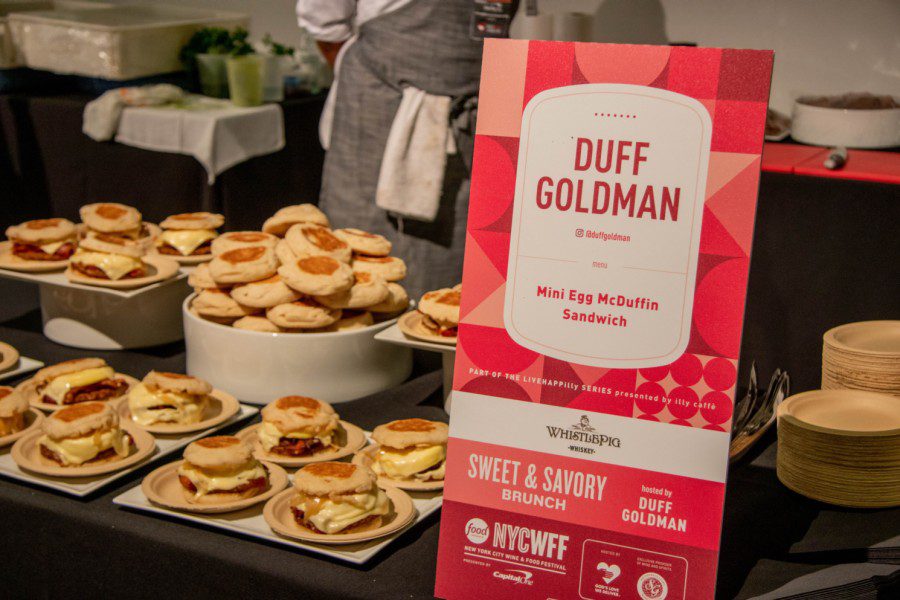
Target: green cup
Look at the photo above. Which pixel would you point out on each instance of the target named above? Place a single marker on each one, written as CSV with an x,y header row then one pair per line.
x,y
245,83
213,75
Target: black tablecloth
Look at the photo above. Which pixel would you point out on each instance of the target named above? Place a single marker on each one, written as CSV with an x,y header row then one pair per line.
x,y
825,252
58,546
48,166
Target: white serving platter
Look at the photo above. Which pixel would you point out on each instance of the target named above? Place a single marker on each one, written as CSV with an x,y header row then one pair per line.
x,y
82,486
393,335
250,522
58,279
25,365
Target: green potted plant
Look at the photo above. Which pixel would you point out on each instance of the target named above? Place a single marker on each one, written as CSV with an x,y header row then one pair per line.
x,y
244,65
205,53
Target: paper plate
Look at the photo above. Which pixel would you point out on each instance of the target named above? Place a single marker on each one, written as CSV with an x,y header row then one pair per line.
x,y
411,325
163,488
278,515
160,269
27,455
10,261
881,338
9,356
33,419
844,412
354,438
365,457
34,401
221,407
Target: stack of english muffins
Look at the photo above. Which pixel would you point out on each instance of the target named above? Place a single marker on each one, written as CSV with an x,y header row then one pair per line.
x,y
298,275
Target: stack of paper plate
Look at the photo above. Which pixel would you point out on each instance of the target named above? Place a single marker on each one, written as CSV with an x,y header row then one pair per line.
x,y
841,447
862,356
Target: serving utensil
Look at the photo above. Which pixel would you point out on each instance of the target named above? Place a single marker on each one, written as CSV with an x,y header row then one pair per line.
x,y
757,414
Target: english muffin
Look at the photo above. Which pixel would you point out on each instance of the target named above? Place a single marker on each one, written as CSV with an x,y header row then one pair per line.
x,y
242,239
286,217
367,290
440,310
363,242
43,239
312,240
243,265
221,469
411,449
302,314
389,268
168,398
338,497
317,275
85,433
297,426
264,293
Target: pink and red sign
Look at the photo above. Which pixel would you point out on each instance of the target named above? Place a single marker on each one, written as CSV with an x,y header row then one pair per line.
x,y
610,223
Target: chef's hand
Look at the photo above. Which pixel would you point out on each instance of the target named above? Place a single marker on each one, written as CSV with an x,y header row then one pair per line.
x,y
329,50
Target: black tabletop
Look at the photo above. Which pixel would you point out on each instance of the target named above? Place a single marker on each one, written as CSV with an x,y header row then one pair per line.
x,y
58,546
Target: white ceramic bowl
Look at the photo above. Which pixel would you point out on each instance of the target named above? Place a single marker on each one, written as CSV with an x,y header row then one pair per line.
x,y
260,367
853,128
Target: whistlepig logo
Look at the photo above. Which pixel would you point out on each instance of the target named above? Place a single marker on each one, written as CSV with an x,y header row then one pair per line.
x,y
584,432
584,424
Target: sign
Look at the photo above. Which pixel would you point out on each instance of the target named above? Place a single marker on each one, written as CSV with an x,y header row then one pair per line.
x,y
610,223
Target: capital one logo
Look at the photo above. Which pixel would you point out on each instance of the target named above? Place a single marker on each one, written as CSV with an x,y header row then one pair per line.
x,y
517,576
477,531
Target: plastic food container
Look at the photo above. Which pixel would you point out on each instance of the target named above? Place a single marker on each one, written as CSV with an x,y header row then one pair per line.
x,y
8,54
260,367
116,42
850,127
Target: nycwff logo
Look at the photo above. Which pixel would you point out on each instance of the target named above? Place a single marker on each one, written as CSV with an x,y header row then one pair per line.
x,y
517,576
585,433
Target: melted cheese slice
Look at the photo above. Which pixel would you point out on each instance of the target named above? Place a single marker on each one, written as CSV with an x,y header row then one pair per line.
x,y
331,517
116,266
59,387
269,436
52,247
186,240
397,465
210,482
183,409
79,450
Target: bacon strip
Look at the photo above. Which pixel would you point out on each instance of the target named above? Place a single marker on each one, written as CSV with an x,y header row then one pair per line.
x,y
97,272
106,389
34,252
294,447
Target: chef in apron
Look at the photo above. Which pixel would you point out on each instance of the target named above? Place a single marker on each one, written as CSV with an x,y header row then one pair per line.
x,y
399,123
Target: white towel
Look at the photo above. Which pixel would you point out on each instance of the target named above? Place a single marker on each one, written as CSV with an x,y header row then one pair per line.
x,y
101,116
412,168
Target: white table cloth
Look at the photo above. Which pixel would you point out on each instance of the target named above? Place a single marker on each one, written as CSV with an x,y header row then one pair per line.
x,y
218,134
